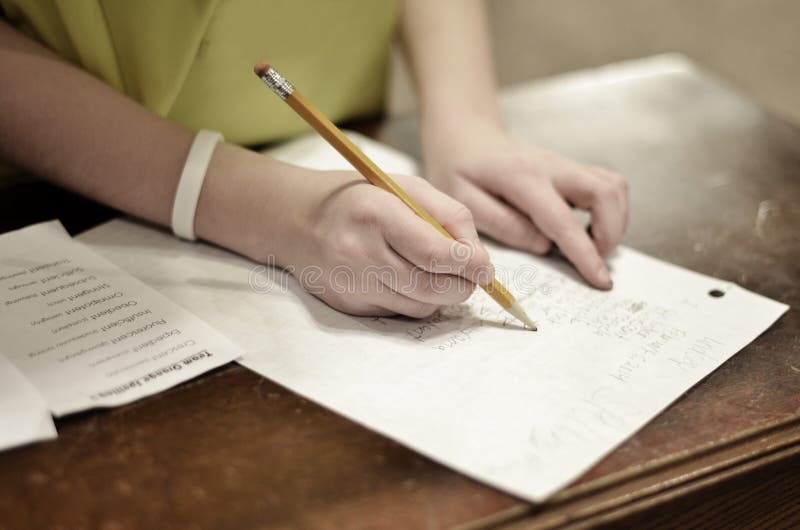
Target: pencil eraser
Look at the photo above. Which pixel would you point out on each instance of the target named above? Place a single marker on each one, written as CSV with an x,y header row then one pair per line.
x,y
260,69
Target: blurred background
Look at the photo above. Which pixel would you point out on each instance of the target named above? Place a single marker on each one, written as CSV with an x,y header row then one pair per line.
x,y
753,44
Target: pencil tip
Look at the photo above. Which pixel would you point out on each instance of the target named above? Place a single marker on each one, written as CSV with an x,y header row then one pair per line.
x,y
260,69
520,315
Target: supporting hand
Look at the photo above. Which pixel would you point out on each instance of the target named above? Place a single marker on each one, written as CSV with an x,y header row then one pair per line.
x,y
522,196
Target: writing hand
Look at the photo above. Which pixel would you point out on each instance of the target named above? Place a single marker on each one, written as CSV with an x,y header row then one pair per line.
x,y
364,252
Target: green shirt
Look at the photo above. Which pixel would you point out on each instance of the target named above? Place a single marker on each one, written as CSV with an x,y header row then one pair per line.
x,y
191,61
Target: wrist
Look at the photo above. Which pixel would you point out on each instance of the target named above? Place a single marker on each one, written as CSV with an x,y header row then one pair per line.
x,y
447,139
457,124
240,204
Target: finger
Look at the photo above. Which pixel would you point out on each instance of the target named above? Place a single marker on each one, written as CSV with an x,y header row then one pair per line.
x,y
403,305
622,185
555,219
602,197
402,277
424,247
454,216
372,297
502,221
361,310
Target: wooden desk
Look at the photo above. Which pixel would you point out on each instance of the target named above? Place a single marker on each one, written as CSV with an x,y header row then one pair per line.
x,y
715,186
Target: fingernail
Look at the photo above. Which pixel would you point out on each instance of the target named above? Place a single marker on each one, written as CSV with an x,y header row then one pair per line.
x,y
604,277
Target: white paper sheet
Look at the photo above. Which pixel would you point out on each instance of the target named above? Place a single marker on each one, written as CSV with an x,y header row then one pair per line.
x,y
86,333
526,412
24,415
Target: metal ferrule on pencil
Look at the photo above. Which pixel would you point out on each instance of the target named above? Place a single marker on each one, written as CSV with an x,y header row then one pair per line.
x,y
277,83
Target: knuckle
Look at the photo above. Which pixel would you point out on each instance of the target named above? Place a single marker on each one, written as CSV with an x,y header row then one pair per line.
x,y
462,213
495,222
348,246
367,213
521,163
433,256
617,181
604,190
493,219
458,194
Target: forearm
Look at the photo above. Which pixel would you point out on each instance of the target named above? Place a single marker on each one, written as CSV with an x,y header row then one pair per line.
x,y
65,126
69,128
447,44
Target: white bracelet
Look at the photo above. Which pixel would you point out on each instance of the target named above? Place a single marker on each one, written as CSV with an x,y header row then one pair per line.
x,y
191,182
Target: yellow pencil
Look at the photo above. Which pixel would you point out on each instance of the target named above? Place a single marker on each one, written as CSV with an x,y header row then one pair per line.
x,y
286,91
